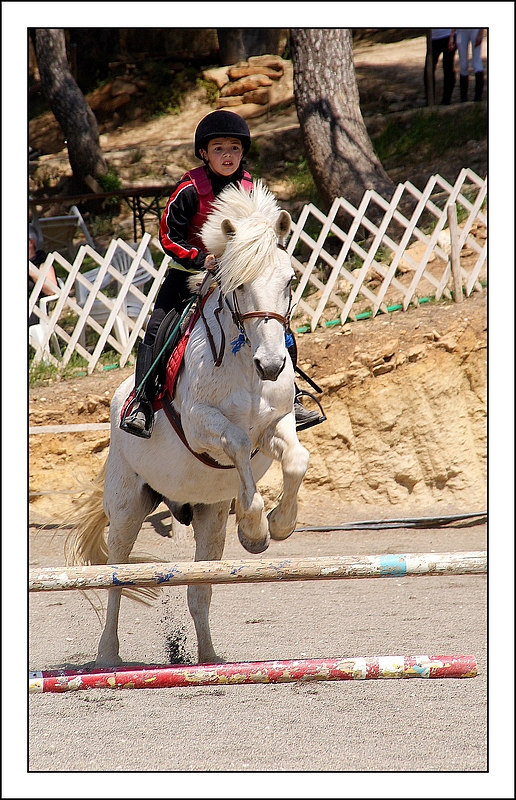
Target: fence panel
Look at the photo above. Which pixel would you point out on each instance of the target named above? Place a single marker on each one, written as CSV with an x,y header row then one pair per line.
x,y
381,256
116,312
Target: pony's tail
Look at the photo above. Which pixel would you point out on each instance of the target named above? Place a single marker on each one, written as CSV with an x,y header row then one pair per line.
x,y
86,542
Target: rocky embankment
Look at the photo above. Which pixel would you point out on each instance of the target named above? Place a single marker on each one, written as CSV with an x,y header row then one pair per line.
x,y
405,399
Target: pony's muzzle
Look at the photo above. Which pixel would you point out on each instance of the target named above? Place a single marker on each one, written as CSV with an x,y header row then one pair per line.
x,y
269,371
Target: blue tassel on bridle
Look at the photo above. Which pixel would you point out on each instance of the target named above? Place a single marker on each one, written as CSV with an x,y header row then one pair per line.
x,y
238,343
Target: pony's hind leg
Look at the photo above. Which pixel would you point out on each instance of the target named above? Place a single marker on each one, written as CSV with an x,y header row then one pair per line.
x,y
126,511
209,524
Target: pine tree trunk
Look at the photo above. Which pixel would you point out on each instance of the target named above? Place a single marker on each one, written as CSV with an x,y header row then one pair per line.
x,y
69,106
339,151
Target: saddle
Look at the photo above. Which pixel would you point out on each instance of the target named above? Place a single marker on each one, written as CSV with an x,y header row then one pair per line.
x,y
168,359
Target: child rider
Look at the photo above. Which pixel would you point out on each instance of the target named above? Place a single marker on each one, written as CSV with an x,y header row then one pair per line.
x,y
221,140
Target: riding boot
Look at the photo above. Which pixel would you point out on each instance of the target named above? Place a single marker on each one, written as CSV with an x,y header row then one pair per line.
x,y
449,83
464,80
479,85
305,418
138,418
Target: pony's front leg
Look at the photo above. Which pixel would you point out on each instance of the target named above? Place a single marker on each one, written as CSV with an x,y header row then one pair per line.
x,y
209,524
213,430
285,447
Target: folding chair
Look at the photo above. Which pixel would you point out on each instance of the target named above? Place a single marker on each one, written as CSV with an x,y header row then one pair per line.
x,y
58,233
37,332
131,305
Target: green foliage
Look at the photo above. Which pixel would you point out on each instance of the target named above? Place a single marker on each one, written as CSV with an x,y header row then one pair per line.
x,y
430,134
212,92
110,182
42,374
166,88
298,173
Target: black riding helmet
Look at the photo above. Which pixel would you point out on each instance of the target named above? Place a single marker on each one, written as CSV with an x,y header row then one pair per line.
x,y
221,123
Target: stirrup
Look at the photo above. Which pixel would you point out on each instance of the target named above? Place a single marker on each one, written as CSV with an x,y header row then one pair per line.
x,y
312,417
146,408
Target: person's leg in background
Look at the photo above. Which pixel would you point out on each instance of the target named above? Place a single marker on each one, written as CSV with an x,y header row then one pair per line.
x,y
478,67
448,71
463,40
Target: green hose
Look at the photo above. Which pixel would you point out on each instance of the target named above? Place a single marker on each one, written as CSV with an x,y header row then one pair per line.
x,y
363,315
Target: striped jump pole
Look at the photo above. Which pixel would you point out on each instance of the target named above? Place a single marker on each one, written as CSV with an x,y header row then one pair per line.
x,y
255,571
251,672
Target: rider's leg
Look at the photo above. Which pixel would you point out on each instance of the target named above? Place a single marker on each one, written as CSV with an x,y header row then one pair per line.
x,y
172,294
304,417
140,414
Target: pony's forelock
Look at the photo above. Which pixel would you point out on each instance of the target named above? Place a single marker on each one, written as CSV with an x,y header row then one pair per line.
x,y
243,256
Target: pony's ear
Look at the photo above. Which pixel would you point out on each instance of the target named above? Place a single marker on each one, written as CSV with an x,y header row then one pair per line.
x,y
228,229
282,226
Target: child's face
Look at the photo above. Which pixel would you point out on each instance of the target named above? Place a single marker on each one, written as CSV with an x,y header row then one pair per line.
x,y
223,155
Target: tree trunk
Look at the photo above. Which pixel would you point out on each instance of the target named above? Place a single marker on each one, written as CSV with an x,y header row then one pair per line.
x,y
339,151
69,107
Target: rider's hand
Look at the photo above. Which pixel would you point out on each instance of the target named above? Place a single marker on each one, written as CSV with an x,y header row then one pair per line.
x,y
210,263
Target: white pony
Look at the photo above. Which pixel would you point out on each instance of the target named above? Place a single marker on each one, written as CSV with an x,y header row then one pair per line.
x,y
235,400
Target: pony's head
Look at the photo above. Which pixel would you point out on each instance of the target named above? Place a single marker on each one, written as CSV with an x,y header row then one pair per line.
x,y
243,231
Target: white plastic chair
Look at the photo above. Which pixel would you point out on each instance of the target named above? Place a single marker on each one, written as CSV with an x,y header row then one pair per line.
x,y
58,233
131,305
38,332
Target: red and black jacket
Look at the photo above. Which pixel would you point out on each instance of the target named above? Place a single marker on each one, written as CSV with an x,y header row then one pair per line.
x,y
186,212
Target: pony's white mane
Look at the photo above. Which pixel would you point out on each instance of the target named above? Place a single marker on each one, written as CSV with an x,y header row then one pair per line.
x,y
242,256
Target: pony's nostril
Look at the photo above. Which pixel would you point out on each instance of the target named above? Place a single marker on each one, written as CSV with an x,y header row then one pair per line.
x,y
259,369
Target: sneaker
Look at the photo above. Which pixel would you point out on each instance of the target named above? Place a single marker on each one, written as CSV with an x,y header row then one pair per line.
x,y
305,418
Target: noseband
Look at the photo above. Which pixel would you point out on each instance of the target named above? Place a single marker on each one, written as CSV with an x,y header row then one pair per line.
x,y
239,318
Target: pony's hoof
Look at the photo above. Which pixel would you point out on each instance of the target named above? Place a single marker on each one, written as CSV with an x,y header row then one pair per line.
x,y
276,533
254,547
215,659
278,536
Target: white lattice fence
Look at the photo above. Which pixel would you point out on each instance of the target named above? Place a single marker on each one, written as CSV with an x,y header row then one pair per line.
x,y
109,316
348,273
377,267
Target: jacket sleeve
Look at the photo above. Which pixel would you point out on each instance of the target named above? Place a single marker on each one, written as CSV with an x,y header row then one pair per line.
x,y
175,224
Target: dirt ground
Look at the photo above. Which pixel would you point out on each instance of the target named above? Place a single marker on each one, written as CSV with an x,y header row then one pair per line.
x,y
366,727
370,726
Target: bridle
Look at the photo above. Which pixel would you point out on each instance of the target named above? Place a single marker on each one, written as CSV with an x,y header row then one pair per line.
x,y
239,319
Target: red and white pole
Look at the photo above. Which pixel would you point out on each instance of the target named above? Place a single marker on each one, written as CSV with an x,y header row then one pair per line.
x,y
317,669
